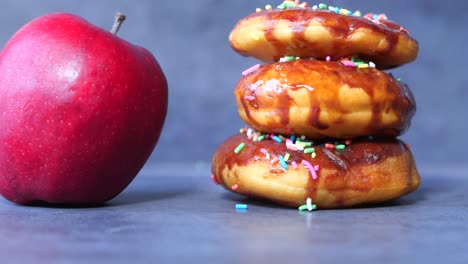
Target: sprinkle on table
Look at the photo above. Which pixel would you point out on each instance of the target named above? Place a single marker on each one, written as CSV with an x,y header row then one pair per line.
x,y
309,206
241,207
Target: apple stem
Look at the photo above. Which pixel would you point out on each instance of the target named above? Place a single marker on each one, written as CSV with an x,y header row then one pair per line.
x,y
119,19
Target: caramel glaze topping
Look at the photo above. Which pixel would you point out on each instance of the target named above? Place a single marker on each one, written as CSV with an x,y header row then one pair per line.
x,y
345,164
269,87
341,27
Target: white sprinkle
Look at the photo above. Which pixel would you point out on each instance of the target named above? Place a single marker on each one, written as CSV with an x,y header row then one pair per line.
x,y
371,64
309,204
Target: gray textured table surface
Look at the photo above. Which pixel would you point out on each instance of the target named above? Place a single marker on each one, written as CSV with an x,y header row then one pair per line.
x,y
180,216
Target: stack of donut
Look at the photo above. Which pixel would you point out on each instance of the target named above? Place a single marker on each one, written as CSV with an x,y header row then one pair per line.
x,y
322,115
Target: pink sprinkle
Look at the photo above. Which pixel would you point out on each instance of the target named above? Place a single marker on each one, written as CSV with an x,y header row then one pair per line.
x,y
213,178
311,168
328,58
250,70
250,136
235,187
329,146
264,151
294,164
316,167
348,63
407,146
382,17
369,16
274,160
249,98
348,142
404,30
290,145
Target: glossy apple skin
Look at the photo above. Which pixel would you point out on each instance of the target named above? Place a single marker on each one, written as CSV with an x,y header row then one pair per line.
x,y
81,110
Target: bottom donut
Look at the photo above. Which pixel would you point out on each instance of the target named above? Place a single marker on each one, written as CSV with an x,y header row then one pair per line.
x,y
334,175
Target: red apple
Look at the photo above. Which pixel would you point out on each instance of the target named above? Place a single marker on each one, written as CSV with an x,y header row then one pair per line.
x,y
81,110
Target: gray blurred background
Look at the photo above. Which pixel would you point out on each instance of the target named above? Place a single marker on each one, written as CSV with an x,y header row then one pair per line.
x,y
189,39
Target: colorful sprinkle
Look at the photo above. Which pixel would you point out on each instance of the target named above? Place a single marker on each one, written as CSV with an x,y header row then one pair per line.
x,y
329,146
309,150
235,187
250,70
261,138
264,151
258,9
407,146
402,29
328,58
371,64
344,12
277,139
283,162
314,155
322,6
239,148
274,160
286,156
241,207
268,7
340,146
254,37
311,168
287,58
309,206
294,165
213,178
249,98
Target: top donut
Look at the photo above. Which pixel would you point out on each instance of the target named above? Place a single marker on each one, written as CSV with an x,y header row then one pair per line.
x,y
322,31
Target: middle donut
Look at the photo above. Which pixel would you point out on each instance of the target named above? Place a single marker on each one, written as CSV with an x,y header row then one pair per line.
x,y
324,99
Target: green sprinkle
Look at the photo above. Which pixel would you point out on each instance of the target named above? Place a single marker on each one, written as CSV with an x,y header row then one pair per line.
x,y
309,150
398,79
289,58
340,146
290,5
305,143
261,138
303,207
322,6
282,6
239,148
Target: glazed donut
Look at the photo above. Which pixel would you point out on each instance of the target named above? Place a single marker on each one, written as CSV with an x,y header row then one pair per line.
x,y
365,172
303,32
324,99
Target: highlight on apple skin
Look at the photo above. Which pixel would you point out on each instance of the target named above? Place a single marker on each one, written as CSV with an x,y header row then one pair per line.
x,y
81,110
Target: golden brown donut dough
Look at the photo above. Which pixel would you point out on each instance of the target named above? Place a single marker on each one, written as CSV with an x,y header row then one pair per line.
x,y
305,33
324,99
365,172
